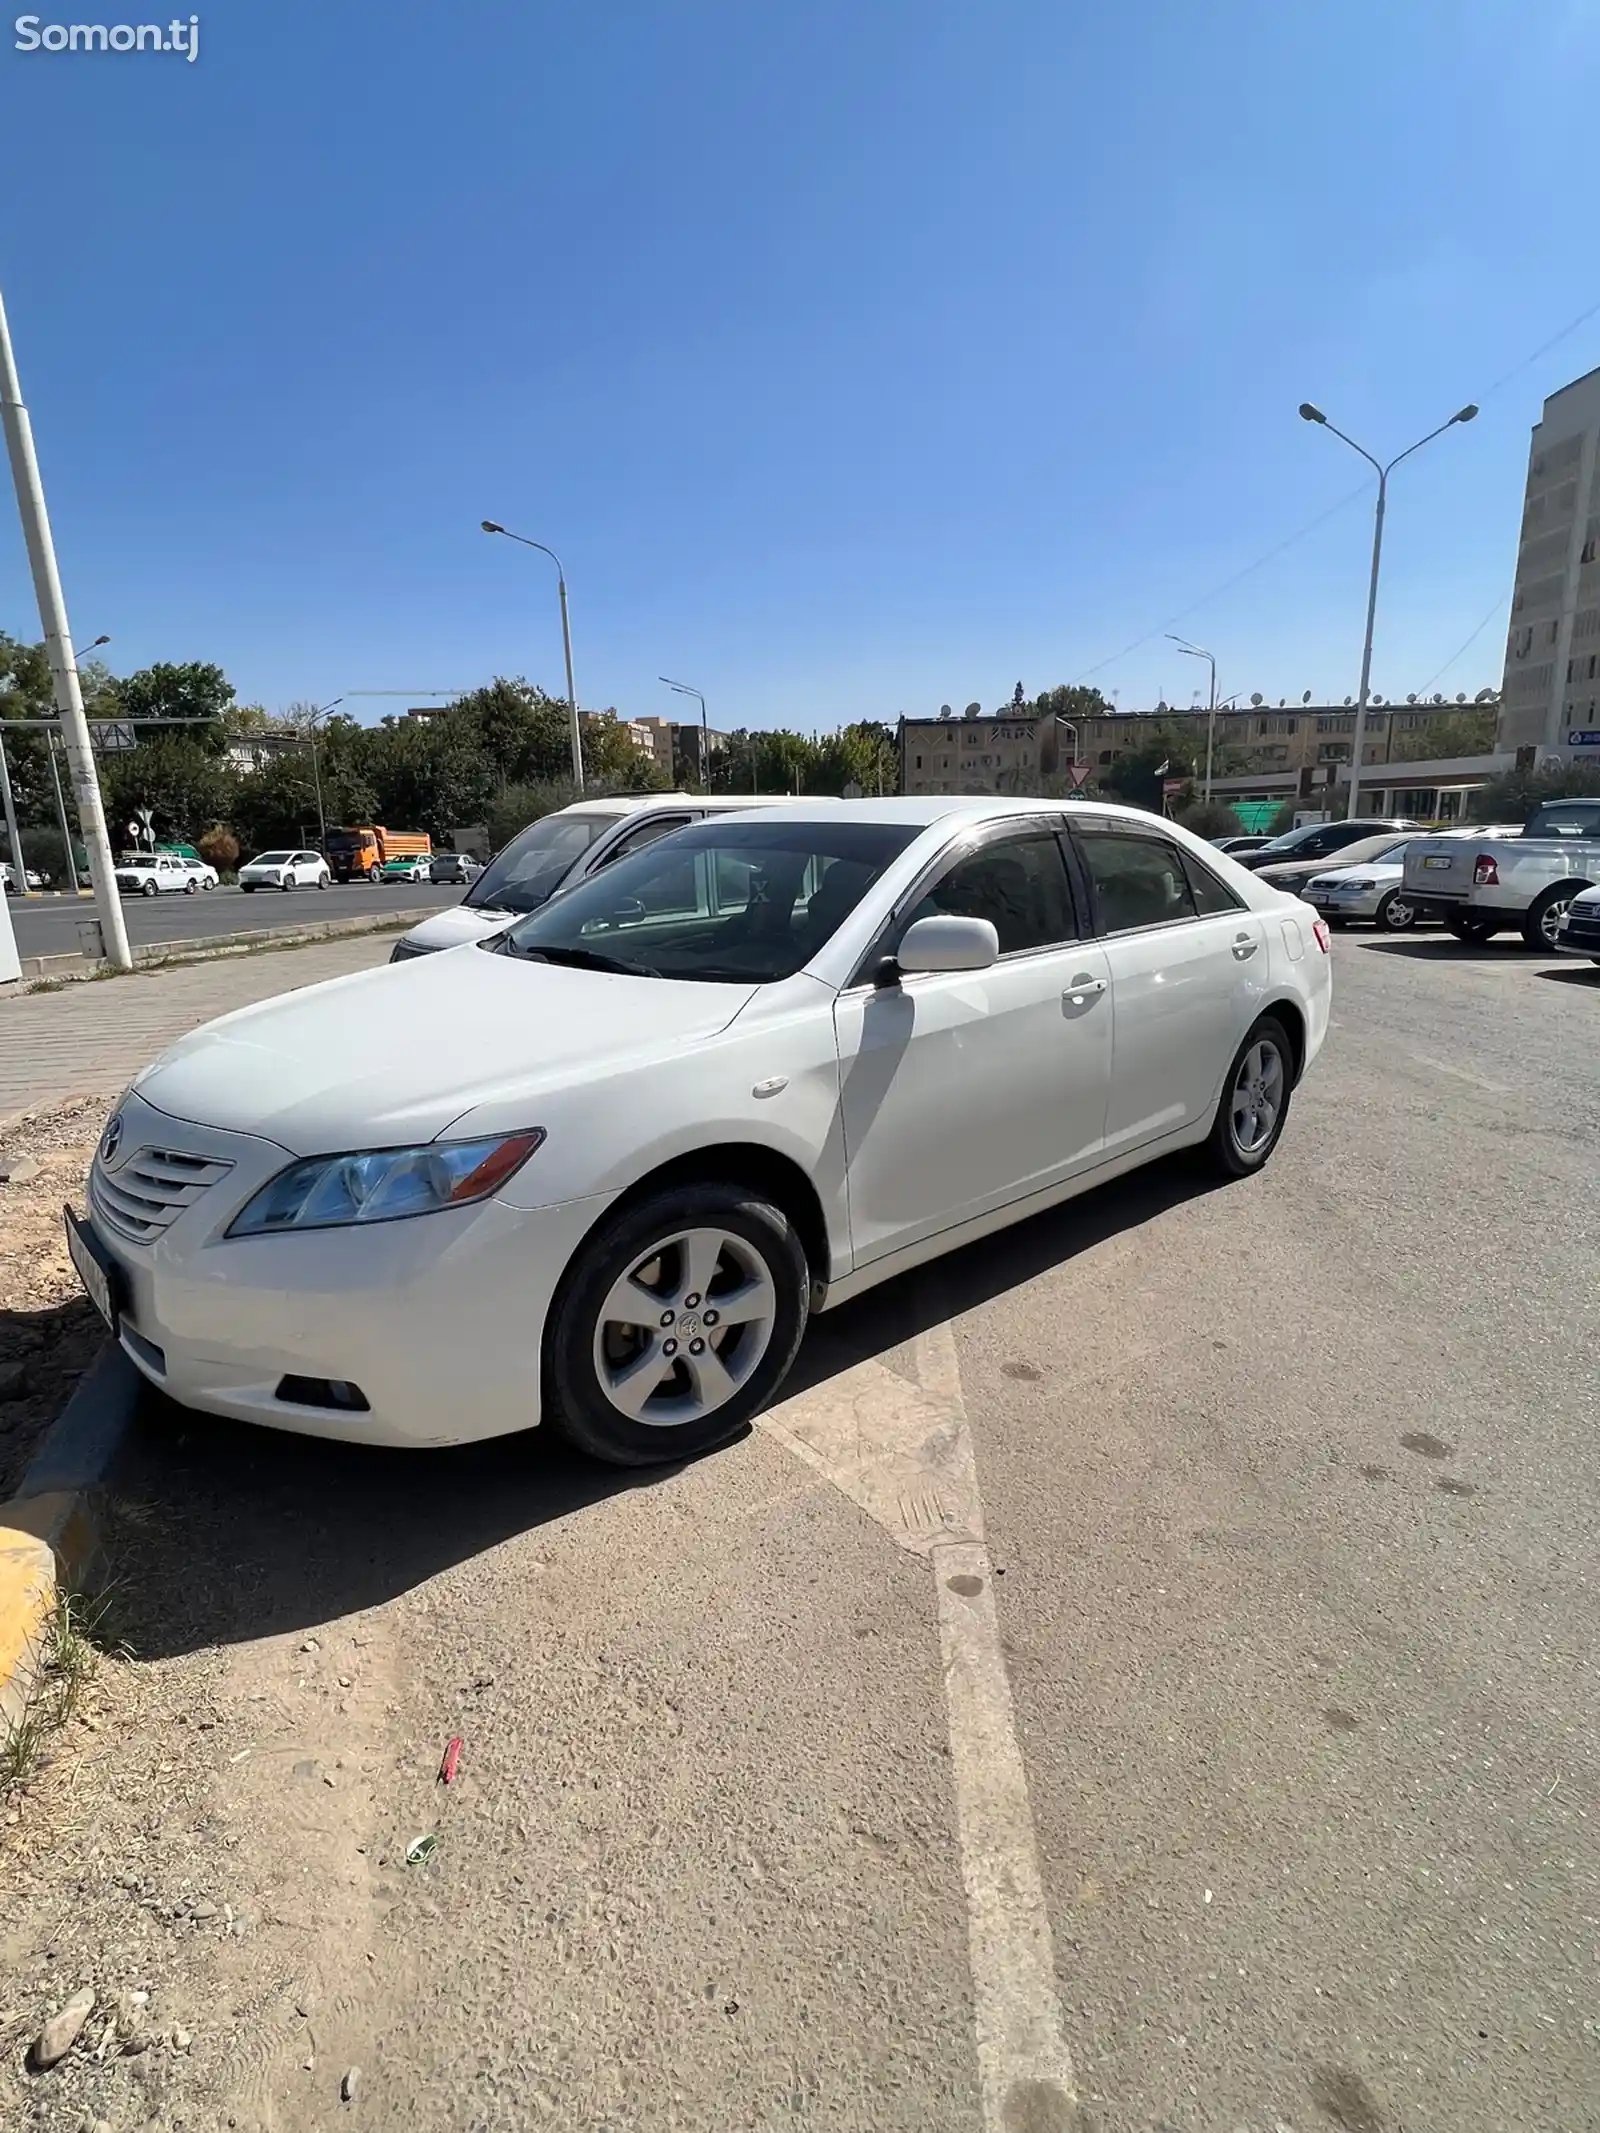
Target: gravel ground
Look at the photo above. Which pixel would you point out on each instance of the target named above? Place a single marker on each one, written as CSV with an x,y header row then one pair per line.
x,y
49,1333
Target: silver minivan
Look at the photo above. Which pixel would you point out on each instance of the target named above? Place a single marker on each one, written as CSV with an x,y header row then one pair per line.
x,y
559,849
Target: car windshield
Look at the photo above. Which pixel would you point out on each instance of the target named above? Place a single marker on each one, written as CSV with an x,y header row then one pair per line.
x,y
741,903
270,859
1564,819
531,867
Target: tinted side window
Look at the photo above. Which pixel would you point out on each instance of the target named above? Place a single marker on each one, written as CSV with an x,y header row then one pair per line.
x,y
1210,895
1019,884
646,833
1138,881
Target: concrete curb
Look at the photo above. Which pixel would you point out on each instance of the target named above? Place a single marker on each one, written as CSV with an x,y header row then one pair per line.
x,y
50,1530
154,955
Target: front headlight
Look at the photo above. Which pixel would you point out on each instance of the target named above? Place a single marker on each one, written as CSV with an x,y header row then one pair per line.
x,y
331,1191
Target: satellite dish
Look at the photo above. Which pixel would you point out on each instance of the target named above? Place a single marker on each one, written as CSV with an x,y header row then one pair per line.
x,y
1257,699
1282,700
1347,699
944,710
1438,699
1306,698
973,711
1486,696
1461,697
1411,699
1377,699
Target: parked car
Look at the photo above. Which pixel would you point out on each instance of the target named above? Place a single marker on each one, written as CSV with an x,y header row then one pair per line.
x,y
454,866
1318,840
1237,844
1579,931
8,880
1484,884
1371,889
1294,875
745,1073
409,866
201,876
153,874
284,870
556,851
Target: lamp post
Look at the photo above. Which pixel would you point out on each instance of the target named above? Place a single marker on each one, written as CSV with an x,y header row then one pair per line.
x,y
58,647
684,689
1308,413
1198,651
321,711
491,526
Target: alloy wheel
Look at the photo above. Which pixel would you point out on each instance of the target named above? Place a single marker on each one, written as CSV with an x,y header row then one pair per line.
x,y
684,1327
1257,1097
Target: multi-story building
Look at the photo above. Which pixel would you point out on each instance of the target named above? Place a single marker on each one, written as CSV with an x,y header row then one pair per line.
x,y
1550,700
1005,753
658,734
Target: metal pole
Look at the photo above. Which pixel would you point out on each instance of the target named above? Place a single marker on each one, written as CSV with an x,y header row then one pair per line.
x,y
572,693
1211,728
61,814
18,867
58,648
322,820
1366,648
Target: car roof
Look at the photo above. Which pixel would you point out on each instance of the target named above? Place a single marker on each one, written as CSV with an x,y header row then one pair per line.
x,y
641,803
925,811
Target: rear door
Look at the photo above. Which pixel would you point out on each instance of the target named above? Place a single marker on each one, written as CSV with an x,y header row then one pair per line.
x,y
1188,967
965,1090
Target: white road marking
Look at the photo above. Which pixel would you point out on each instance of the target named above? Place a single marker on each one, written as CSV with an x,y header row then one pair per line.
x,y
903,1452
1442,1066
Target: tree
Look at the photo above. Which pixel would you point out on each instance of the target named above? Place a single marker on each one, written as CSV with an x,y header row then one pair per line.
x,y
183,783
1470,730
197,689
219,848
1514,796
1209,818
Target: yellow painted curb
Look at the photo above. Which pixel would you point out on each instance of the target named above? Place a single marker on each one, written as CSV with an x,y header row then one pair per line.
x,y
27,1597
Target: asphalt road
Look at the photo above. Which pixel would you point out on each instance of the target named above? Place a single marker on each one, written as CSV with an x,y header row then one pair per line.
x,y
48,925
1290,1491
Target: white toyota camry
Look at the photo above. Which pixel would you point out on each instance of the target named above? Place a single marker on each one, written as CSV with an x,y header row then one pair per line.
x,y
735,1078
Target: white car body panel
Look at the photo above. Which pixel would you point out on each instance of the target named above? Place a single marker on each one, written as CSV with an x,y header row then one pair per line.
x,y
1443,870
923,1113
169,874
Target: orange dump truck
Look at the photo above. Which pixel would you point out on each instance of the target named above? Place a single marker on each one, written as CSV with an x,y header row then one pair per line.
x,y
354,853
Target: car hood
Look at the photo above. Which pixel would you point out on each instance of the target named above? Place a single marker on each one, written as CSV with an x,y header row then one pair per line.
x,y
396,1055
448,929
1365,870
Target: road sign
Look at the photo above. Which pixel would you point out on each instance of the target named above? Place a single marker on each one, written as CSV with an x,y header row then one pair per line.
x,y
1576,739
1079,774
110,735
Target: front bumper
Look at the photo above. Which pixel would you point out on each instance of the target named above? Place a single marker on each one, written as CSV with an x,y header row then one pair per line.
x,y
1581,936
439,1319
1341,904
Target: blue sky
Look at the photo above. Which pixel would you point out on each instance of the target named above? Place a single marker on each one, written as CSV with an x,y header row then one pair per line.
x,y
857,358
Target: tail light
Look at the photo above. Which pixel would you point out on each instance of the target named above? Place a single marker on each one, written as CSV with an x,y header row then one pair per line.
x,y
1486,875
1324,937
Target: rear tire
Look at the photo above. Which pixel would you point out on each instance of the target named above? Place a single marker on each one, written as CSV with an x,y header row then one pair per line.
x,y
1470,926
1254,1103
672,1382
1546,912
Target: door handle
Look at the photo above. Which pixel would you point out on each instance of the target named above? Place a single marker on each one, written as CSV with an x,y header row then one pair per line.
x,y
1244,946
1081,988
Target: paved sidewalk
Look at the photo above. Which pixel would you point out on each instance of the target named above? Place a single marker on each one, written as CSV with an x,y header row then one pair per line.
x,y
92,1036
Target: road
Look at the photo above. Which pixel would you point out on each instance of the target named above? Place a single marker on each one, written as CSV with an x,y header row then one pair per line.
x,y
1290,1493
49,925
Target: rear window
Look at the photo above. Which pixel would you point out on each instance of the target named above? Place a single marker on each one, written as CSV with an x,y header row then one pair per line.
x,y
1564,818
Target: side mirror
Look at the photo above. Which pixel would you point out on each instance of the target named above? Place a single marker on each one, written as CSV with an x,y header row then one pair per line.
x,y
948,944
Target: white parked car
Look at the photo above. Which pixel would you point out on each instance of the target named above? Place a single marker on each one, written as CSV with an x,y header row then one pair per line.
x,y
738,1077
1490,882
8,878
1579,932
1375,888
559,849
200,875
285,870
152,874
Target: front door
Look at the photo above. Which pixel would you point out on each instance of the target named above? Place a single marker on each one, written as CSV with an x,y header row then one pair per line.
x,y
965,1090
1188,966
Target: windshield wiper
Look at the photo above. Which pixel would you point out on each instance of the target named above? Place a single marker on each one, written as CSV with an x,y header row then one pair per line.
x,y
586,959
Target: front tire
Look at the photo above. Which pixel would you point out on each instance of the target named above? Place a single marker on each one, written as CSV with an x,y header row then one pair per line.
x,y
286,884
374,874
150,889
674,1324
1394,914
1545,913
1254,1102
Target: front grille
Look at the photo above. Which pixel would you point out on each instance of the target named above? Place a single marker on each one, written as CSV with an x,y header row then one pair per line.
x,y
149,1192
1582,930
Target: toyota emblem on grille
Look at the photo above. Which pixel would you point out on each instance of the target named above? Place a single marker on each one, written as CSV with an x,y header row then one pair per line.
x,y
111,1139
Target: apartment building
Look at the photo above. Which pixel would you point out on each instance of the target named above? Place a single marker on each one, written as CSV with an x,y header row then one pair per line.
x,y
1550,700
1002,753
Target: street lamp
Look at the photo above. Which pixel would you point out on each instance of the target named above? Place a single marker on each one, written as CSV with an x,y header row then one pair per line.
x,y
316,773
489,525
1196,651
1308,413
684,689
